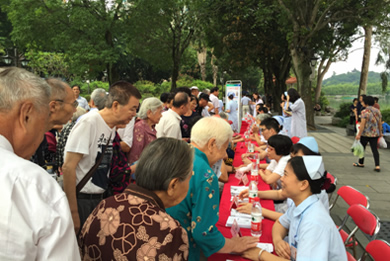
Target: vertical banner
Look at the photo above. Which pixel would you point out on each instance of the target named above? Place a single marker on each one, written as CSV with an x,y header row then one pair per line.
x,y
236,87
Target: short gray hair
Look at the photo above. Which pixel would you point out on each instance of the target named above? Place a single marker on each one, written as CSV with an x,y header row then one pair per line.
x,y
262,116
207,91
58,88
163,160
79,111
151,104
17,85
211,127
224,115
99,97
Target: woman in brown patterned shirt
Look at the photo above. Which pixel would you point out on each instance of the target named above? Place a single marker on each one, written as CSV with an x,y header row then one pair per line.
x,y
134,225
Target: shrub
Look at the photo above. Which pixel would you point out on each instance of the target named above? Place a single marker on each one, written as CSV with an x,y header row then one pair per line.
x,y
344,122
343,110
386,115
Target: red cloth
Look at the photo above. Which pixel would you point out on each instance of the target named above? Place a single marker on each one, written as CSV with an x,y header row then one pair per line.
x,y
225,202
224,213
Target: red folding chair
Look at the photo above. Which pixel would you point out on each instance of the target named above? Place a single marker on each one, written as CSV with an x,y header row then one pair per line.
x,y
333,180
379,250
351,196
364,220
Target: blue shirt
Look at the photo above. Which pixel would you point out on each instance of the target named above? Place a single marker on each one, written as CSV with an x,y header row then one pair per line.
x,y
199,211
313,232
245,100
83,103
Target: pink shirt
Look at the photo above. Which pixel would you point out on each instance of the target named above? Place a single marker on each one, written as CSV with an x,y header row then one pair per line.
x,y
143,135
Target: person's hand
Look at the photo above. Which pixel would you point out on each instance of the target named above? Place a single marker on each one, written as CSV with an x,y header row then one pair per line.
x,y
252,253
245,155
255,129
246,161
245,208
243,243
282,249
76,221
357,137
243,194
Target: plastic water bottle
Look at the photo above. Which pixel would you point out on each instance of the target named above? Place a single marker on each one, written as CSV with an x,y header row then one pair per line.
x,y
252,191
255,173
257,219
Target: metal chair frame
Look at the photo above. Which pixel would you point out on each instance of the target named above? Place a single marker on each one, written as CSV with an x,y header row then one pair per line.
x,y
350,241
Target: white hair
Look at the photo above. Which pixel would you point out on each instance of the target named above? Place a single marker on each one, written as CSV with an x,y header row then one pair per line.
x,y
99,97
79,111
151,104
17,85
211,127
262,116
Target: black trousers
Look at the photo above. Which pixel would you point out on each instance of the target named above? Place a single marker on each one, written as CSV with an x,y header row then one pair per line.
x,y
86,203
374,148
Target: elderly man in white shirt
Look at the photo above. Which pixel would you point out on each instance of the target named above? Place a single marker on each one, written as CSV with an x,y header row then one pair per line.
x,y
35,220
90,142
169,125
214,100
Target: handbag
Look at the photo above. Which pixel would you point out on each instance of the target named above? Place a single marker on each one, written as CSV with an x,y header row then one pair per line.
x,y
120,172
90,173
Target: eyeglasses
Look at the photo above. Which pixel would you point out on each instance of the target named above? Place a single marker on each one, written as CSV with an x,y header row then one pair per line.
x,y
263,129
74,104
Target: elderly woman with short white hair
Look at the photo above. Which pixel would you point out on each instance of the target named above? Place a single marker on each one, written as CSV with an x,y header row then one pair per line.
x,y
144,129
198,212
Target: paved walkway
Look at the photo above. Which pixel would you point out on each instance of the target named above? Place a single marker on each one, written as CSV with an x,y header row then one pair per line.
x,y
335,146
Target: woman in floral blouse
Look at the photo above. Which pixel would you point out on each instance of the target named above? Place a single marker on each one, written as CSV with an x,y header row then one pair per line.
x,y
370,130
134,225
144,132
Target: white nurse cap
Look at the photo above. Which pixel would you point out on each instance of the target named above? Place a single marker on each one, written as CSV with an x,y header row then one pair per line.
x,y
314,166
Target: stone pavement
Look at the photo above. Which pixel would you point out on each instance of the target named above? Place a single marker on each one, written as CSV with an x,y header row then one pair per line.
x,y
335,146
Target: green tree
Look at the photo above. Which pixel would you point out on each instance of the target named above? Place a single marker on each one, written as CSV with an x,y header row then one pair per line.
x,y
164,30
308,19
92,34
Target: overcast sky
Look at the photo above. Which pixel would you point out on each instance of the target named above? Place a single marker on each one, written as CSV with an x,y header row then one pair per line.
x,y
354,61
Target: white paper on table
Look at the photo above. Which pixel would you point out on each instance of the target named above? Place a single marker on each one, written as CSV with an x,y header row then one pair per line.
x,y
242,222
266,246
236,190
235,213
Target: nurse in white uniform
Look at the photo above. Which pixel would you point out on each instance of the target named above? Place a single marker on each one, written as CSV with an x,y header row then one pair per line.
x,y
312,234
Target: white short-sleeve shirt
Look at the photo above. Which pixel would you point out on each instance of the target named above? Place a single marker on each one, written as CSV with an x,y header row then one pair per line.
x,y
35,219
89,137
127,132
169,125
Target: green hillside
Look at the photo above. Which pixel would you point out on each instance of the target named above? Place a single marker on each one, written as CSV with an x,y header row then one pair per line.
x,y
348,84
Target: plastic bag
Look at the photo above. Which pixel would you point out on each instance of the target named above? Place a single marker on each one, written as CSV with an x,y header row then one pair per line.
x,y
357,149
382,143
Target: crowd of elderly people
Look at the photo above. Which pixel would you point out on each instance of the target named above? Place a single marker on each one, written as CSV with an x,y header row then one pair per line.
x,y
135,188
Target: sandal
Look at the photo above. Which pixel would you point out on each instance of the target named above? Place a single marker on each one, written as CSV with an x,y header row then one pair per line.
x,y
356,164
377,169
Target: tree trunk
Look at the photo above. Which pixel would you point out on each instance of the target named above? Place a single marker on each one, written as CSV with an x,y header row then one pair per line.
x,y
202,56
320,77
215,70
301,61
366,60
175,72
